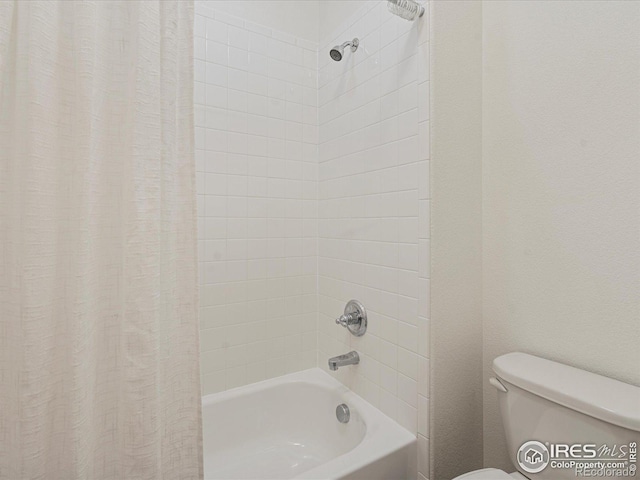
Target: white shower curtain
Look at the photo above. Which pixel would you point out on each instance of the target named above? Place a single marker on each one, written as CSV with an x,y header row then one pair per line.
x,y
98,326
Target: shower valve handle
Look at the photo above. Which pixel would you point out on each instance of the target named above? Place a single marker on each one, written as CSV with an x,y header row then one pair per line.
x,y
347,319
354,318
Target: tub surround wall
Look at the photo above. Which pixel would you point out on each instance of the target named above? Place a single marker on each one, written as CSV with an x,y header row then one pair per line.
x,y
256,153
332,15
308,188
374,211
299,19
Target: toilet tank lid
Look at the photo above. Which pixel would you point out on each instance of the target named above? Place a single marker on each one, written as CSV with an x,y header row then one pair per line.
x,y
600,397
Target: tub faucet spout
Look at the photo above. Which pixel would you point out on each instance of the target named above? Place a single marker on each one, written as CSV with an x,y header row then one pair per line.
x,y
351,358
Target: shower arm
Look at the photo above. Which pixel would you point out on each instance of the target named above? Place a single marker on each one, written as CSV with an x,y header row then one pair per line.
x,y
351,43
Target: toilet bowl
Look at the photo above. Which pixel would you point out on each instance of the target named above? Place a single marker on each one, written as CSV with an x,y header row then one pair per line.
x,y
548,408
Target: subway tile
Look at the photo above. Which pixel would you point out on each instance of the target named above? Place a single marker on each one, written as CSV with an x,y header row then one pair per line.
x,y
407,416
199,26
314,180
216,96
199,48
216,31
217,53
238,37
423,416
423,455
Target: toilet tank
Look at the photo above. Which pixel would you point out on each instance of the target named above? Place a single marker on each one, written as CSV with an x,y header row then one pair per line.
x,y
558,418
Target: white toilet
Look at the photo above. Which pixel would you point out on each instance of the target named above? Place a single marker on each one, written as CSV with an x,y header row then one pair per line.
x,y
553,414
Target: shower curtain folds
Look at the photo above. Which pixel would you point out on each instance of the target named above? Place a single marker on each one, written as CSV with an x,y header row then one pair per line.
x,y
99,366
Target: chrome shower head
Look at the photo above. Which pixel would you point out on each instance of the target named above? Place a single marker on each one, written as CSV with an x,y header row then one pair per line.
x,y
337,52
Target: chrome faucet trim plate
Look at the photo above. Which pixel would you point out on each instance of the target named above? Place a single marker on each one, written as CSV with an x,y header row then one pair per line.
x,y
354,318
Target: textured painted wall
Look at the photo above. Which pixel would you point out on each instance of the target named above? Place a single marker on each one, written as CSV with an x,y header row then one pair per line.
x,y
456,238
561,178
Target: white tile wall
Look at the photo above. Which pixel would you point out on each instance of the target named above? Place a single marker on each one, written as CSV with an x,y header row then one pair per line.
x,y
374,212
256,152
313,188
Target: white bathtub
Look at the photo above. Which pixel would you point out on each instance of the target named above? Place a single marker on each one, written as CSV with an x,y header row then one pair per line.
x,y
287,428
